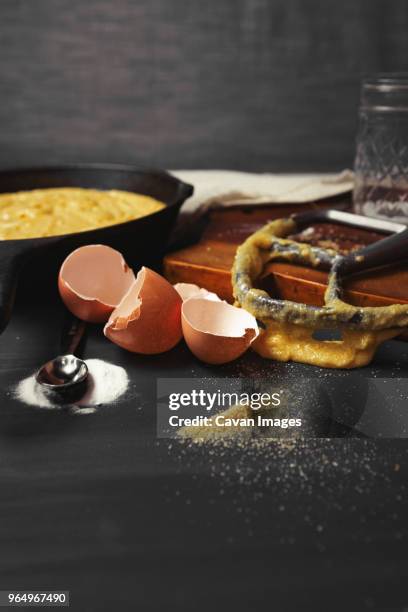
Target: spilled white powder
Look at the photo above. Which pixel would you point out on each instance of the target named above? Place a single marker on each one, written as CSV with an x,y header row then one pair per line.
x,y
106,384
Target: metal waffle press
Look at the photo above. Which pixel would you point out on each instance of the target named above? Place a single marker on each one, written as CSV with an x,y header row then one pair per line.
x,y
289,329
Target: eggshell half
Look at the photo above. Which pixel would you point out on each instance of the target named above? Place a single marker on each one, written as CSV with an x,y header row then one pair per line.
x,y
215,331
189,290
93,280
148,319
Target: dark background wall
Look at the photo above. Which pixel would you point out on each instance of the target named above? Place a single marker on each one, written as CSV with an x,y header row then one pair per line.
x,y
246,84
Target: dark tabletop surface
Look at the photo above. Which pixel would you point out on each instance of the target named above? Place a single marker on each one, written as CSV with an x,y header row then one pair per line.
x,y
97,505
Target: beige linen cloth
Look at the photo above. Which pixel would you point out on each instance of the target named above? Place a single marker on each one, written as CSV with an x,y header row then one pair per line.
x,y
224,187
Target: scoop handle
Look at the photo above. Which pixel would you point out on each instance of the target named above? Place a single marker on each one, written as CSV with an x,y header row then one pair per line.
x,y
72,333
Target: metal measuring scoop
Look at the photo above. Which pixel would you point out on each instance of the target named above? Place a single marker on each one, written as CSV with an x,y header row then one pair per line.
x,y
65,372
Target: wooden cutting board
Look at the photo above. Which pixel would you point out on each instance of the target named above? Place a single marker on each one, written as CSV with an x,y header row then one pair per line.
x,y
208,262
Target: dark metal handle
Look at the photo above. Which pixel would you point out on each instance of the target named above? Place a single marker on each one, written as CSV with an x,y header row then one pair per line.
x,y
72,333
390,250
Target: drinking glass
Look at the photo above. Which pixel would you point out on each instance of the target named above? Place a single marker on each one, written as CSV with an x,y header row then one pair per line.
x,y
381,163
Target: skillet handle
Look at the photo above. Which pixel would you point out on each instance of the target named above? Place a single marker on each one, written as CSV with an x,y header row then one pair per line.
x,y
387,251
11,261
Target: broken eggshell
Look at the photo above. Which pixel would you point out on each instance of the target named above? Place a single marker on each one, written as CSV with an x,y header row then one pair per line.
x,y
189,290
148,319
215,331
92,281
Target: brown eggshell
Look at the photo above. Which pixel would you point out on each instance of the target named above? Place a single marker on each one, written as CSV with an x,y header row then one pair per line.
x,y
189,290
148,319
215,331
92,281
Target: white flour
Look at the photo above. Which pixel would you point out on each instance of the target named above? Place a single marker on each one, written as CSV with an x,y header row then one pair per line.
x,y
106,383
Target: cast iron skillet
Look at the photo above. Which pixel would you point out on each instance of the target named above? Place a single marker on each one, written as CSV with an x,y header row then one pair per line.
x,y
138,240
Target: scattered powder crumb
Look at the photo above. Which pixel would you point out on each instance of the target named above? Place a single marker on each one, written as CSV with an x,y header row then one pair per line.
x,y
106,383
213,433
204,434
327,470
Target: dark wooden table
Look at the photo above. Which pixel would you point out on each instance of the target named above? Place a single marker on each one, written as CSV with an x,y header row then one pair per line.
x,y
95,504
